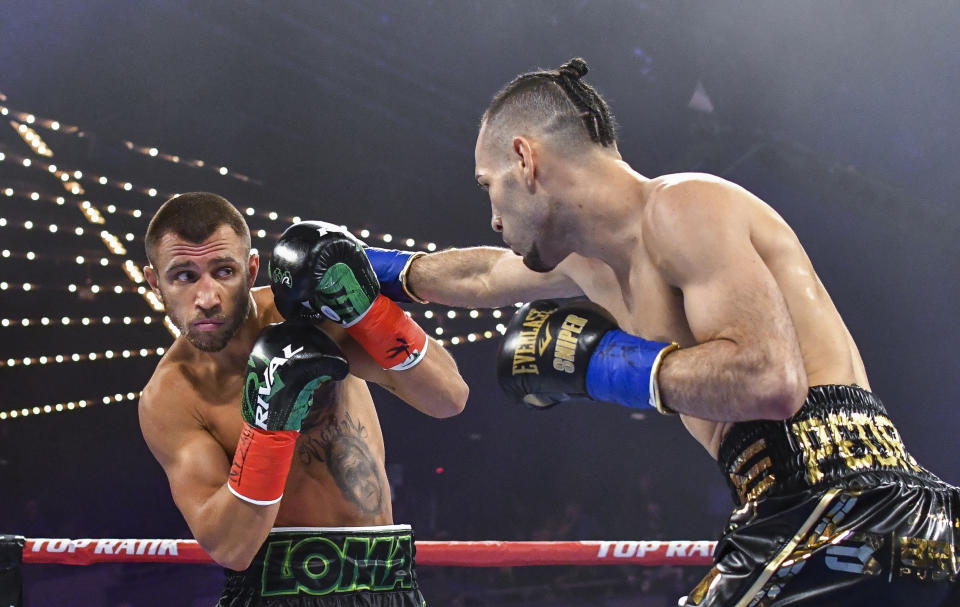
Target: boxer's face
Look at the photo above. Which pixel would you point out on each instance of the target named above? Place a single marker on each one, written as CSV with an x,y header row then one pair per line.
x,y
205,287
520,213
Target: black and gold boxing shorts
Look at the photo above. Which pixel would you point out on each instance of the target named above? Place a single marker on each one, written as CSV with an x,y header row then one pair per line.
x,y
833,511
329,567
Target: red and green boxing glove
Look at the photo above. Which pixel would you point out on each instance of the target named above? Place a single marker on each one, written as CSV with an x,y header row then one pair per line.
x,y
289,362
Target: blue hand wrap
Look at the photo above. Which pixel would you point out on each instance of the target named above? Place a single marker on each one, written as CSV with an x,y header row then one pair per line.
x,y
621,369
389,266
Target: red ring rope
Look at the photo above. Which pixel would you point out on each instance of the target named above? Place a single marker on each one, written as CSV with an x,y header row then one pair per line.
x,y
461,554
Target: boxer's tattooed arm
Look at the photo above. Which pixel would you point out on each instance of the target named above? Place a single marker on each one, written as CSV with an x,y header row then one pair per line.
x,y
340,443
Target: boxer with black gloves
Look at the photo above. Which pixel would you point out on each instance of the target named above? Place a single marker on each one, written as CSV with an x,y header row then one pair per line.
x,y
831,509
287,403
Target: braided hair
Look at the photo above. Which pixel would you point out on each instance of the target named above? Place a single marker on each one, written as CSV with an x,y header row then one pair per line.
x,y
557,101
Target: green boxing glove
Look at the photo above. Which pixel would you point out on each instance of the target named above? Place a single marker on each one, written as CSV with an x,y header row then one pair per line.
x,y
319,269
289,361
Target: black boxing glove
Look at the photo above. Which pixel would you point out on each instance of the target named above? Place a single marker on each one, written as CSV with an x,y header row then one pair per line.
x,y
289,361
318,267
552,352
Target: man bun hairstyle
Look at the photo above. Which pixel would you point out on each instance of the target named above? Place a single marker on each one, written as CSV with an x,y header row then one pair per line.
x,y
558,102
194,216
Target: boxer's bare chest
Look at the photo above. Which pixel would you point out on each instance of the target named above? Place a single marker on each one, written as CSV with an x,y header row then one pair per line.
x,y
647,306
643,304
337,476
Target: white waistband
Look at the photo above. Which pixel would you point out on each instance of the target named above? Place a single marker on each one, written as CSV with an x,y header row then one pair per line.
x,y
373,529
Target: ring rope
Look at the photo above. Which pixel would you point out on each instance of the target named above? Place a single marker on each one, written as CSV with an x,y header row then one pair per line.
x,y
446,553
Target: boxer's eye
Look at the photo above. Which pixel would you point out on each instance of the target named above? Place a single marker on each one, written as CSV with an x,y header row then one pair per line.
x,y
183,276
225,272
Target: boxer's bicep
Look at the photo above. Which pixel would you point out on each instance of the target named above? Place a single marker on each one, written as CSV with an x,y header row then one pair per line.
x,y
739,302
747,355
194,462
702,244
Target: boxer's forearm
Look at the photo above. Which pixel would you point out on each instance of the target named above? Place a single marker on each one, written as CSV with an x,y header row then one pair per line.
x,y
434,386
482,277
720,380
229,529
457,277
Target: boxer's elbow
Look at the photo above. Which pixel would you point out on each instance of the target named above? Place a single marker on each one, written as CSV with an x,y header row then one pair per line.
x,y
231,556
236,562
452,399
780,390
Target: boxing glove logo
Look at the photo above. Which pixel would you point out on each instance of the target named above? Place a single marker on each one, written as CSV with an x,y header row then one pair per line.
x,y
270,384
525,354
566,349
281,276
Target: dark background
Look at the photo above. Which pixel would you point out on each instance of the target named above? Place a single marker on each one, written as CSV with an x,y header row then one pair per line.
x,y
841,115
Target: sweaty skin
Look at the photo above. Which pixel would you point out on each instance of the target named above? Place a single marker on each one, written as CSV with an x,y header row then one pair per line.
x,y
312,495
689,258
190,408
653,304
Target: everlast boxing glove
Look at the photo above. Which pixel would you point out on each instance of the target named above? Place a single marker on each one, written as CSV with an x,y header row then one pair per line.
x,y
289,361
319,268
552,352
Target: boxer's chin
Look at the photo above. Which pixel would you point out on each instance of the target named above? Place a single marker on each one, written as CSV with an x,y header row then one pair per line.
x,y
533,261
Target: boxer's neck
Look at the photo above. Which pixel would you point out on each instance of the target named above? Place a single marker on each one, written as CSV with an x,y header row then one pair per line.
x,y
603,212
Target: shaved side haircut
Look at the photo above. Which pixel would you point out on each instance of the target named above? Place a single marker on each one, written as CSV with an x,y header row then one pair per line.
x,y
555,103
194,216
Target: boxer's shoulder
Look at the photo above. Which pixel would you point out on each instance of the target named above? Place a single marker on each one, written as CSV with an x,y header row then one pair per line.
x,y
173,393
684,193
166,388
695,211
266,309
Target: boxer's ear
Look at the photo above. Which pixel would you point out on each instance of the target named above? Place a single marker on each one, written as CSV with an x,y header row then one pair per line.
x,y
153,280
526,158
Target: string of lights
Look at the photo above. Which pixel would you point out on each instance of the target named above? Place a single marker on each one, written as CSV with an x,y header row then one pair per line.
x,y
71,178
85,321
53,125
149,151
72,288
117,398
138,213
54,228
35,196
76,175
94,216
59,359
471,337
98,212
31,138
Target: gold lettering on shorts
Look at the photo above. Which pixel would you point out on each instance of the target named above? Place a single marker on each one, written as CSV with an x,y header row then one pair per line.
x,y
566,348
816,445
741,482
925,558
858,440
761,488
848,436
